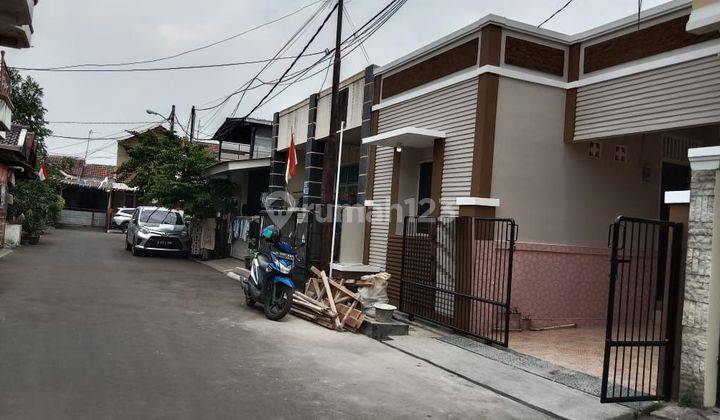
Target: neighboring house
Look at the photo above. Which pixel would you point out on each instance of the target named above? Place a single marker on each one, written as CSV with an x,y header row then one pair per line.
x,y
131,141
91,192
561,133
243,151
18,156
16,23
17,152
308,122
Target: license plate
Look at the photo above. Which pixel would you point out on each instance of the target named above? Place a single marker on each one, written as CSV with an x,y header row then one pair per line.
x,y
164,243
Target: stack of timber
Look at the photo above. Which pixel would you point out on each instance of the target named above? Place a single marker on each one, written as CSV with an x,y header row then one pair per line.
x,y
329,303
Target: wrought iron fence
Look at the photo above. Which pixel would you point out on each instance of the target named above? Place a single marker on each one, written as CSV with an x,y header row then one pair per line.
x,y
640,346
457,272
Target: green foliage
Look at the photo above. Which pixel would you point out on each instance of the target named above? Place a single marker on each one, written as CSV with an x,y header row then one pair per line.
x,y
27,98
37,204
169,171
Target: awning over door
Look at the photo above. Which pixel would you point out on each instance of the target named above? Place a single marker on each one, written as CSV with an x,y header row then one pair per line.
x,y
406,137
227,167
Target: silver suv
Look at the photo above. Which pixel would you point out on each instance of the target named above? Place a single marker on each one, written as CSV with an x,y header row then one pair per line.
x,y
157,229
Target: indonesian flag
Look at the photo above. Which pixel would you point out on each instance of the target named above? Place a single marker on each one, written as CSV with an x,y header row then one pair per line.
x,y
42,173
292,160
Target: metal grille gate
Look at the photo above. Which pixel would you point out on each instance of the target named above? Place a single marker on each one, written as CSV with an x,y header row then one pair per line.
x,y
642,310
457,272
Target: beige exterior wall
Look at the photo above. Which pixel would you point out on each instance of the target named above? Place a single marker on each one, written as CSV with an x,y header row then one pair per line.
x,y
701,3
556,193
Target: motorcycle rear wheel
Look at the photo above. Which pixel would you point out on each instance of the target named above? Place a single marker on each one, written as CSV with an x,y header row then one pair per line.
x,y
279,302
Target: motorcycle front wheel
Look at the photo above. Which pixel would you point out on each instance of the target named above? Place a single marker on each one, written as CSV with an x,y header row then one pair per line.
x,y
279,302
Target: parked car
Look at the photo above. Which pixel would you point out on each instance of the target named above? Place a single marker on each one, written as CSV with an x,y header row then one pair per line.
x,y
157,229
122,217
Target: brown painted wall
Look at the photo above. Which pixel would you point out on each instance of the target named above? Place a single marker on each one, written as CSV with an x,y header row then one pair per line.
x,y
533,56
441,65
663,37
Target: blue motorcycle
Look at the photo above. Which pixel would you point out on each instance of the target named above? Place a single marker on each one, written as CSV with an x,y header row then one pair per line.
x,y
270,281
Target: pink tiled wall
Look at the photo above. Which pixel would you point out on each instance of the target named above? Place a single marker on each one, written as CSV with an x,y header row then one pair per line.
x,y
557,284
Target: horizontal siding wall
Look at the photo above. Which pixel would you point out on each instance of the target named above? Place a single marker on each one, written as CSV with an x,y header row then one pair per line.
x,y
451,110
681,95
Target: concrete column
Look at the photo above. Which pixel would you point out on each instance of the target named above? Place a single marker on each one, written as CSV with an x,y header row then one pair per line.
x,y
314,153
277,165
366,131
701,312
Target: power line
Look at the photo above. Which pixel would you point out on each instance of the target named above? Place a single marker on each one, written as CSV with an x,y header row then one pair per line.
x,y
194,49
247,85
554,14
154,69
56,136
352,42
346,13
373,25
103,122
296,59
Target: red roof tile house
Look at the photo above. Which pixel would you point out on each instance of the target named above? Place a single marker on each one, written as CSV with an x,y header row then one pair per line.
x,y
91,192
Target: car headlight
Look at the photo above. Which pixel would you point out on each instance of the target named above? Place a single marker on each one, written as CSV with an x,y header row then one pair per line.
x,y
145,231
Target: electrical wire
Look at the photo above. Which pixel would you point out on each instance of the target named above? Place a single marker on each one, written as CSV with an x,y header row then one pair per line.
x,y
194,49
154,69
346,12
102,122
362,34
382,17
556,12
317,32
249,83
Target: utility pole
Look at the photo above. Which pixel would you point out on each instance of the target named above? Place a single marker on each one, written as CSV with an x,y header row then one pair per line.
x,y
192,123
87,148
172,120
330,156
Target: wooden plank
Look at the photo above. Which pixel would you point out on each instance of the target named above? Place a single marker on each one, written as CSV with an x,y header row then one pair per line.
x,y
316,287
344,289
308,299
330,298
345,318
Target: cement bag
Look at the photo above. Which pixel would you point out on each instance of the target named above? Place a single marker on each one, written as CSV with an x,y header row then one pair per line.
x,y
374,294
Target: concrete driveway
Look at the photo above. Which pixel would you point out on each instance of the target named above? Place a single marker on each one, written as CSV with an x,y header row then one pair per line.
x,y
88,331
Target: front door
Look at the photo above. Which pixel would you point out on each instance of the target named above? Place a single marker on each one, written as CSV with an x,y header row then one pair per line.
x,y
424,189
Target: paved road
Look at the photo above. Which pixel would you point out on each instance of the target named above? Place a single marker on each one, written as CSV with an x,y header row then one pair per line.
x,y
88,331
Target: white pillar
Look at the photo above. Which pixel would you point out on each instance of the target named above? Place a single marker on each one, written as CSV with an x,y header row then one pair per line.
x,y
701,311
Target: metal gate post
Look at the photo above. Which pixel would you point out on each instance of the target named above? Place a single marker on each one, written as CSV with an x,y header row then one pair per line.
x,y
673,290
508,287
611,307
402,263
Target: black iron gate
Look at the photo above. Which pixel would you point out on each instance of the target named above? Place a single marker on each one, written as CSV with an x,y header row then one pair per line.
x,y
457,272
642,314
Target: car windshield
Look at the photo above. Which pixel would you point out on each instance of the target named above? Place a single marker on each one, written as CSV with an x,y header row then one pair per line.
x,y
162,217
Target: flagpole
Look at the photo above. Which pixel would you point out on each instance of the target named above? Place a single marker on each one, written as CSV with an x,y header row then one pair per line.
x,y
337,189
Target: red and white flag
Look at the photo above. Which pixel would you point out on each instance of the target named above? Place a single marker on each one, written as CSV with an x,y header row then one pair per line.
x,y
42,173
292,160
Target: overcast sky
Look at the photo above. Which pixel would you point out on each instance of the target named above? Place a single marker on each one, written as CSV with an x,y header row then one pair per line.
x,y
91,31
